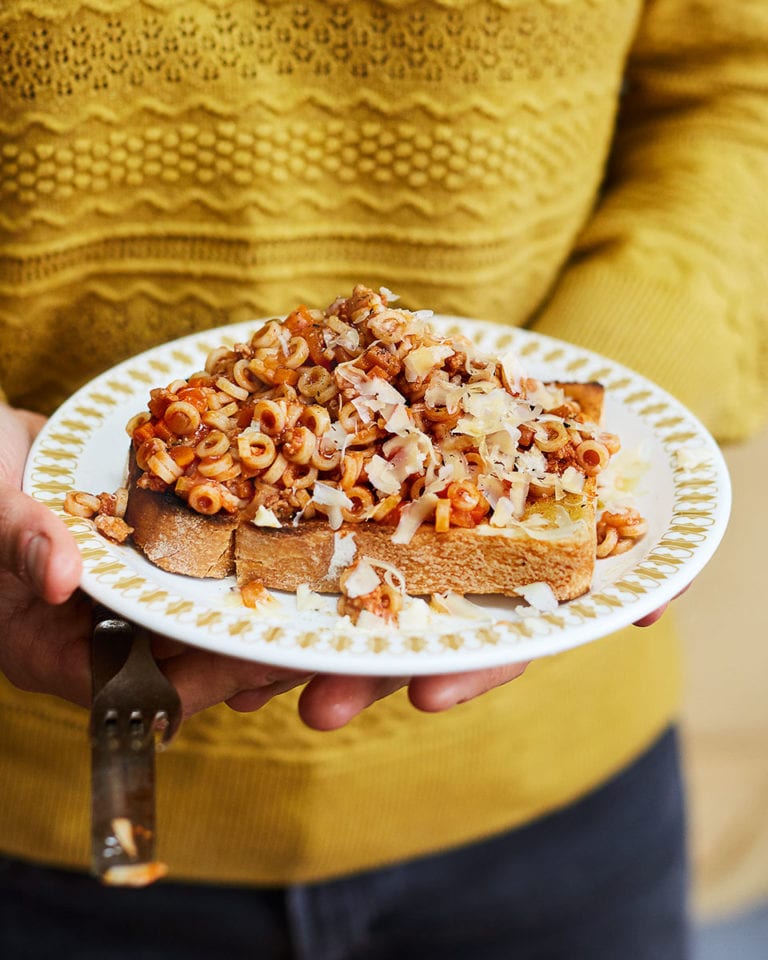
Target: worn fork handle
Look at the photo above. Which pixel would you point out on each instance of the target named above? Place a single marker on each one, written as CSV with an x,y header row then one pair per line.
x,y
132,702
110,645
125,672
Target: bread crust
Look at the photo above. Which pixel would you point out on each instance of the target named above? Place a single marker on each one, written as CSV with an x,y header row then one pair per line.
x,y
176,538
481,560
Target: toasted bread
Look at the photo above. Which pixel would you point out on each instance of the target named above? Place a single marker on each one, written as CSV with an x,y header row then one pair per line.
x,y
479,560
174,537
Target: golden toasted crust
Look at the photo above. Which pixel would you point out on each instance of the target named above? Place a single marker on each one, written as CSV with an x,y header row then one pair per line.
x,y
174,537
479,560
482,560
589,396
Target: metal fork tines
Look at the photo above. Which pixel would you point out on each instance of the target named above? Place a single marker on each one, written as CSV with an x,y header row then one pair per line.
x,y
134,709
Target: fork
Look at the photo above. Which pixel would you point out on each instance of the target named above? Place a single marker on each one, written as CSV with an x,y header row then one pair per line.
x,y
135,709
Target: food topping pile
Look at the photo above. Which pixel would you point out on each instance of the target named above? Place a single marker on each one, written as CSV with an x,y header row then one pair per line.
x,y
362,413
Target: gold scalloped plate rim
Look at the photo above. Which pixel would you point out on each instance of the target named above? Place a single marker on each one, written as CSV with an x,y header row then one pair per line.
x,y
83,446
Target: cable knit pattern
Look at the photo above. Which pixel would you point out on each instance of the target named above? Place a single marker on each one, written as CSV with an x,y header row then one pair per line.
x,y
169,165
212,159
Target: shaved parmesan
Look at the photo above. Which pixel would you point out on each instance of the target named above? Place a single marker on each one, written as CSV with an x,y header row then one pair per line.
x,y
265,518
419,362
393,577
376,396
539,595
689,458
380,390
513,370
361,580
518,494
443,393
337,435
544,395
573,480
399,421
309,601
383,475
333,500
369,621
412,517
408,454
343,556
503,513
532,461
415,614
458,606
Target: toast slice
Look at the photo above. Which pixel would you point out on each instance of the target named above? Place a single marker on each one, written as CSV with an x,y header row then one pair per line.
x,y
176,538
480,560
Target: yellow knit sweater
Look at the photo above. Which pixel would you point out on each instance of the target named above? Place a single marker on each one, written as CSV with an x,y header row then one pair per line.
x,y
172,164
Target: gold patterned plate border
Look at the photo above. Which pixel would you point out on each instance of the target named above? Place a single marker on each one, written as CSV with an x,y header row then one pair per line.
x,y
684,493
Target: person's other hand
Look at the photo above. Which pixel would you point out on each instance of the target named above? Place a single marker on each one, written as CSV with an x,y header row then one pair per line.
x,y
650,618
329,702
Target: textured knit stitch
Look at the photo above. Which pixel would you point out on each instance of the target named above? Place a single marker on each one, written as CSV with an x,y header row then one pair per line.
x,y
167,166
175,164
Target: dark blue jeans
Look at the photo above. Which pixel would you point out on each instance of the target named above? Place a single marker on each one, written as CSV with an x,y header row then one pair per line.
x,y
604,879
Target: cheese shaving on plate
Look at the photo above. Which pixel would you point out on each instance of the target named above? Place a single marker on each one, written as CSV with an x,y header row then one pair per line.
x,y
540,596
458,606
361,580
309,601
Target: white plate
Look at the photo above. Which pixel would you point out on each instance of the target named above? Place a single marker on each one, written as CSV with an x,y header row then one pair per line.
x,y
684,494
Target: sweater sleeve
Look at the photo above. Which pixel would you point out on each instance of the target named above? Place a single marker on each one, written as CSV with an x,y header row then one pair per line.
x,y
670,275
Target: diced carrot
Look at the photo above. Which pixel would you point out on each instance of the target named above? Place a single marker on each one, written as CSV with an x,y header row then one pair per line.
x,y
182,455
163,431
442,515
316,345
285,375
195,396
299,320
145,432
